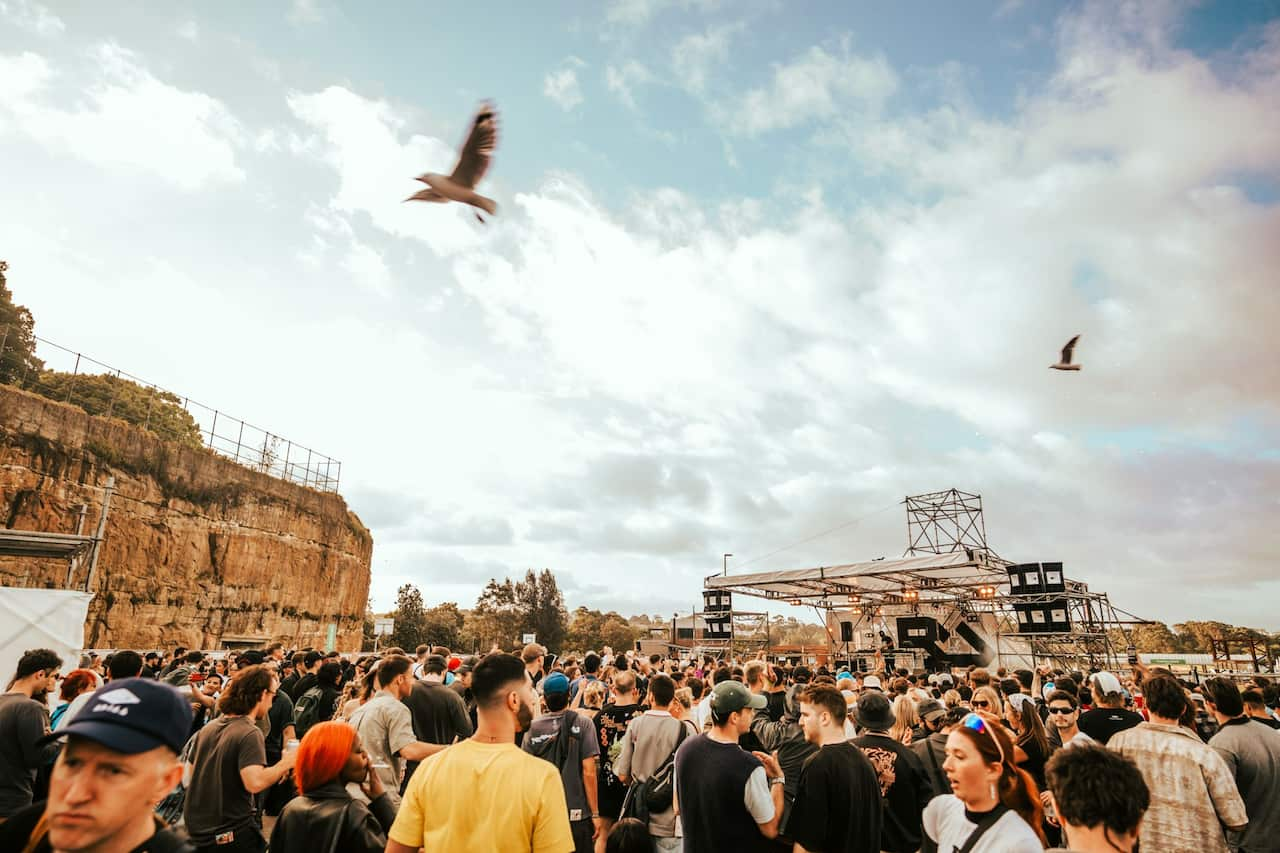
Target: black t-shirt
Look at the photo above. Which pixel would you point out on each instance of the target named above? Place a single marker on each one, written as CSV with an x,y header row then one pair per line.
x,y
777,704
280,716
1101,723
905,787
217,800
302,685
23,721
837,807
1035,762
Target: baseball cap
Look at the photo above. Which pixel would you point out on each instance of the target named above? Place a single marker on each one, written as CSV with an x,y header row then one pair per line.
x,y
130,716
1106,682
555,683
871,681
931,709
454,663
730,696
844,673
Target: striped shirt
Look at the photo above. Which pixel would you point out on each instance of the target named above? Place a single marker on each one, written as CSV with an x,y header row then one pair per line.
x,y
1193,794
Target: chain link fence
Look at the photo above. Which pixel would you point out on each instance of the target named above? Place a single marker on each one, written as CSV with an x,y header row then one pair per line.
x,y
100,389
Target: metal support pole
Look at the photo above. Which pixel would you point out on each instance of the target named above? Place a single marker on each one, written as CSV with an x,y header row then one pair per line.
x,y
213,427
287,448
238,439
98,536
74,372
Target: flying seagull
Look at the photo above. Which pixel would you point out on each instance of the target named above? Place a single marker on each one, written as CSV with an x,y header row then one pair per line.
x,y
1065,362
473,162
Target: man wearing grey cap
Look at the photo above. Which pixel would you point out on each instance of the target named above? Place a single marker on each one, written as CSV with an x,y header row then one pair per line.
x,y
1109,716
120,759
728,798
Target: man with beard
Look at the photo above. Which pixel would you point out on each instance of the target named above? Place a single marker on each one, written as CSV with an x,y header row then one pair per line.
x,y
484,793
24,720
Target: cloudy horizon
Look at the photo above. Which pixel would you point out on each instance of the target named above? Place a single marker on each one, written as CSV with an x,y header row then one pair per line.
x,y
753,276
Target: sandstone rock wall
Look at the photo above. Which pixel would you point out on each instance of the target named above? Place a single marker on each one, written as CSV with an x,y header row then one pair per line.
x,y
198,551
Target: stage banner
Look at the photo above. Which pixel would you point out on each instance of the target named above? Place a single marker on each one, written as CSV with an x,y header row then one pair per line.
x,y
41,619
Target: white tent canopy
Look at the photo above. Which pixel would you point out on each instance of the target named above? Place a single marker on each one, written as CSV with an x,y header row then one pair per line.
x,y
41,619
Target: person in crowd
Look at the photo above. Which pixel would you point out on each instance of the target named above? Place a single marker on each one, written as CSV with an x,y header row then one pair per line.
x,y
727,798
993,806
903,783
292,673
319,702
986,700
462,686
629,835
906,719
932,749
838,799
647,743
112,770
1196,794
311,662
702,714
79,682
24,721
439,717
280,731
567,739
385,726
178,658
591,699
590,674
534,656
1108,715
1256,707
203,695
324,815
1098,797
229,767
1064,712
1201,720
1252,754
485,793
151,665
1024,720
180,674
611,723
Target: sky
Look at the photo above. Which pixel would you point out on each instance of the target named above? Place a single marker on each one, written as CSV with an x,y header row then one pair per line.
x,y
755,274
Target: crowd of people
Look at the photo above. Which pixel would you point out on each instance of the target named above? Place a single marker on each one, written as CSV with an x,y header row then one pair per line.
x,y
615,753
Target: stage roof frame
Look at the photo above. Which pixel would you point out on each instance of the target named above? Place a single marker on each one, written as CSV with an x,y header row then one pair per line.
x,y
930,575
33,543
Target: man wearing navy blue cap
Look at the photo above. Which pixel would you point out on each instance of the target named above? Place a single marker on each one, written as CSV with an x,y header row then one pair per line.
x,y
568,740
120,759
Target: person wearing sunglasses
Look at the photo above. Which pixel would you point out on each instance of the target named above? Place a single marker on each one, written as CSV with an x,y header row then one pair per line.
x,y
994,806
986,700
1064,714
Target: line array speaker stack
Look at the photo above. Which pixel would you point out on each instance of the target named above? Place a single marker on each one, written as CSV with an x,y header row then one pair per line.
x,y
718,627
716,601
1040,617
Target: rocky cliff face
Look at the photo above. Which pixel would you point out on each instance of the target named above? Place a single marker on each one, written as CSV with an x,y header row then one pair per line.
x,y
198,551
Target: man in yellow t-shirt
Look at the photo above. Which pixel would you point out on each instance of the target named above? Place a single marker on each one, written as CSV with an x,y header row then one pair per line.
x,y
484,795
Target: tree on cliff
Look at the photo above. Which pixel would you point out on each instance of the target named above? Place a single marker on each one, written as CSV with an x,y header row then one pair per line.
x,y
411,619
17,337
161,412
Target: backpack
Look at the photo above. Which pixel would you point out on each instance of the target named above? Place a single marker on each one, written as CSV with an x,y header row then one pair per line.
x,y
306,713
554,749
658,790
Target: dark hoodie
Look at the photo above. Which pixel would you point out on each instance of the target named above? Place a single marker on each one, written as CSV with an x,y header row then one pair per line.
x,y
786,738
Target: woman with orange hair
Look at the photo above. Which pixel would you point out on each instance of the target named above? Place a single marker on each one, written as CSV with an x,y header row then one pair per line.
x,y
325,817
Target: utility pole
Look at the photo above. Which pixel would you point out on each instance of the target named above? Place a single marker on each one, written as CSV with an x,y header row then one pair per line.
x,y
726,564
97,537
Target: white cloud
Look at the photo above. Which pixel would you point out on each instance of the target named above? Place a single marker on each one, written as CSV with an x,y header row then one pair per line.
x,y
306,12
367,267
126,118
361,139
189,30
32,17
623,79
817,85
695,55
562,87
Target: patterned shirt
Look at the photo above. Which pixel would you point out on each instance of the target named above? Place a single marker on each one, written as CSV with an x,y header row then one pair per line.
x,y
1193,794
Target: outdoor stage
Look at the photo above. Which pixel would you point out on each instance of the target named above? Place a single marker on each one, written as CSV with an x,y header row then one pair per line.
x,y
950,602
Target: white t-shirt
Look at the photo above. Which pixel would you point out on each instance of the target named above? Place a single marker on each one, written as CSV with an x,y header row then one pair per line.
x,y
946,824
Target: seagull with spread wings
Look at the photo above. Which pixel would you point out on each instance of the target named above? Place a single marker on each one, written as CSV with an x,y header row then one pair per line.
x,y
1064,363
473,163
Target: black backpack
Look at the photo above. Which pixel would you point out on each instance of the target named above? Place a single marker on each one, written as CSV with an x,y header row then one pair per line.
x,y
306,713
658,791
554,749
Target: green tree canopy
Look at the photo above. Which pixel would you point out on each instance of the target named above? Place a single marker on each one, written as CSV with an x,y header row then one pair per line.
x,y
541,608
17,337
411,618
161,412
443,625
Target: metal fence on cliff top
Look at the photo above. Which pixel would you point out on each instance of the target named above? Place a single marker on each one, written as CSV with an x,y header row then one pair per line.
x,y
228,436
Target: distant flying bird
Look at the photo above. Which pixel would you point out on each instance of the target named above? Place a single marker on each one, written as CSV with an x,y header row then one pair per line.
x,y
473,162
1065,362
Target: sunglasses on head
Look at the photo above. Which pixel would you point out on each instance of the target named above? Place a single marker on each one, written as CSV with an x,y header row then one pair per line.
x,y
1062,710
975,723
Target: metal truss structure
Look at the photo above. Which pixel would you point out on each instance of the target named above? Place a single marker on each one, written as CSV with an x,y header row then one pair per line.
x,y
949,573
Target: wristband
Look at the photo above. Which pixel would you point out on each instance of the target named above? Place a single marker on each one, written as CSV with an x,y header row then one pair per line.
x,y
777,780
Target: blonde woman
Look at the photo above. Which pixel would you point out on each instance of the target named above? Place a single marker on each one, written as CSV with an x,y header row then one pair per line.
x,y
986,700
952,699
592,699
906,720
